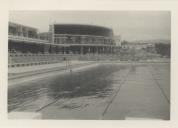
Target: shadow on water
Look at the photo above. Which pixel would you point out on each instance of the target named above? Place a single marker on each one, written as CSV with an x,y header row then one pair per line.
x,y
94,82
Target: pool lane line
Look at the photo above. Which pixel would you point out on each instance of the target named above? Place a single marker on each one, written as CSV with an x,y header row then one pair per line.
x,y
158,85
113,98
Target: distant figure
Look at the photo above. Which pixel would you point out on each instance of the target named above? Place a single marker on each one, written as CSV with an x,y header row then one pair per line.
x,y
68,64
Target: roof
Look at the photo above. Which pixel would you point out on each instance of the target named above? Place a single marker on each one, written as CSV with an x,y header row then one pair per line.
x,y
82,29
17,24
75,24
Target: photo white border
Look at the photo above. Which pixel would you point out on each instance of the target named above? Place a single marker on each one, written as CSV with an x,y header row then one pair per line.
x,y
168,5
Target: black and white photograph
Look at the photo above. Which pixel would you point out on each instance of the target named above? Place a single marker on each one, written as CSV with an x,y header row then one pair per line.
x,y
89,65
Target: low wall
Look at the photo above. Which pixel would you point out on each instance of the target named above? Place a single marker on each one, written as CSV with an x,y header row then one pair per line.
x,y
20,60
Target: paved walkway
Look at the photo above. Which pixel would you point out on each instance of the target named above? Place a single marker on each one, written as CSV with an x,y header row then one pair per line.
x,y
140,96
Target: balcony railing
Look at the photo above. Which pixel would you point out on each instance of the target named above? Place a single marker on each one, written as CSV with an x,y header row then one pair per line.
x,y
26,39
34,40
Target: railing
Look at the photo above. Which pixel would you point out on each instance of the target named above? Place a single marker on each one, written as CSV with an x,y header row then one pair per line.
x,y
26,39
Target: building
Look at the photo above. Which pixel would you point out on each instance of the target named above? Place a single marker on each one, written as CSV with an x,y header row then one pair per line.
x,y
22,30
83,39
45,36
136,46
24,39
117,39
61,39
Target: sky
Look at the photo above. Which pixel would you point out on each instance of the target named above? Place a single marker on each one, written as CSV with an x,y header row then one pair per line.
x,y
131,25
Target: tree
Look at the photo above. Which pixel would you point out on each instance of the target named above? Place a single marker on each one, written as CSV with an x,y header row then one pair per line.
x,y
163,49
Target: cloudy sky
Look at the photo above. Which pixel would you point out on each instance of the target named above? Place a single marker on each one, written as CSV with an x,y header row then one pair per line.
x,y
131,25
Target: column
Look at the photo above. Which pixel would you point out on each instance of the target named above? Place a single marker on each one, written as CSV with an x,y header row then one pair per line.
x,y
81,50
89,50
103,50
